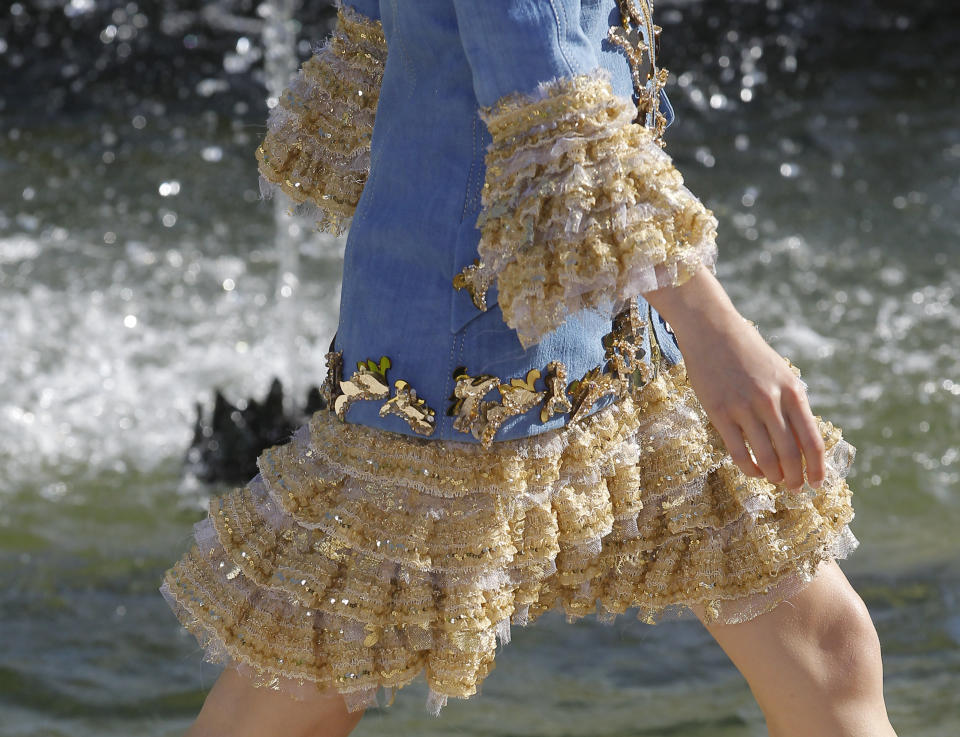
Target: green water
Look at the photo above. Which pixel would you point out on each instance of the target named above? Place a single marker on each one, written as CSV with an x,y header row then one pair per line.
x,y
836,188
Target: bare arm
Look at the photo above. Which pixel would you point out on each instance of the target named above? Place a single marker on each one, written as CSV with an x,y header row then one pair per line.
x,y
744,385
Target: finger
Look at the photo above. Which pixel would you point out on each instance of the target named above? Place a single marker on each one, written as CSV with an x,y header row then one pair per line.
x,y
785,445
732,437
787,449
804,426
759,439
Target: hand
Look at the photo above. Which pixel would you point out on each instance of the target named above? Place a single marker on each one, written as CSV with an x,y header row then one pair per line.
x,y
746,388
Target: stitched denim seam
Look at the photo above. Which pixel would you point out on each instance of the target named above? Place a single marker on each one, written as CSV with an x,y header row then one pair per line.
x,y
468,194
480,173
561,31
363,205
404,56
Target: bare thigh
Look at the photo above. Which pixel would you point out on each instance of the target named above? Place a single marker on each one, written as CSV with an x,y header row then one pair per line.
x,y
236,708
816,653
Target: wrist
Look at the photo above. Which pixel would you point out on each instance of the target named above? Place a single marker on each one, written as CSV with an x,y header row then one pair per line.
x,y
698,300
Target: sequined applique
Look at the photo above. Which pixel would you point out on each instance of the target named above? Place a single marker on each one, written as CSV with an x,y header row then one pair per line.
x,y
471,279
516,397
369,381
621,372
589,388
330,388
482,418
555,401
647,86
410,407
623,349
468,393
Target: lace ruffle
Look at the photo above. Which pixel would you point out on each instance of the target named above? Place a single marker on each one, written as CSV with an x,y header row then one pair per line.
x,y
358,558
317,148
581,207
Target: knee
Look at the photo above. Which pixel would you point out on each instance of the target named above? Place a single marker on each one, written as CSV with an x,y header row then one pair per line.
x,y
845,660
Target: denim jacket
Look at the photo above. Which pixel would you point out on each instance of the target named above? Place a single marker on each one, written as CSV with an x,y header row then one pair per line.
x,y
501,170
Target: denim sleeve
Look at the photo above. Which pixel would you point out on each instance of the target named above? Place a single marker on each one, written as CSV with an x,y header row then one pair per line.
x,y
581,206
369,8
513,45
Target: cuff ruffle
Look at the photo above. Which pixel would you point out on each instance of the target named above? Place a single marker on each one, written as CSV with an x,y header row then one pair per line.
x,y
582,208
317,148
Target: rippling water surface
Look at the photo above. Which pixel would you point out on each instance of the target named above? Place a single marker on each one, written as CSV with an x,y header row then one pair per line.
x,y
139,270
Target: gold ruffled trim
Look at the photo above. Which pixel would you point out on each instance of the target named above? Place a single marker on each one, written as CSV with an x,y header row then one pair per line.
x,y
358,558
581,208
317,149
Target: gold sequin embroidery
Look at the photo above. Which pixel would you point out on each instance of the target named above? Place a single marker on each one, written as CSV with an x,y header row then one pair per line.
x,y
369,381
516,397
622,371
410,407
589,388
467,395
647,86
471,279
555,401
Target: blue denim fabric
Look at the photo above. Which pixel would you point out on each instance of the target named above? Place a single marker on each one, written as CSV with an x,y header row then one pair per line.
x,y
414,226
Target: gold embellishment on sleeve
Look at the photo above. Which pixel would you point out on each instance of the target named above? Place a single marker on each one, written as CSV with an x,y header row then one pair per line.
x,y
648,79
581,208
317,148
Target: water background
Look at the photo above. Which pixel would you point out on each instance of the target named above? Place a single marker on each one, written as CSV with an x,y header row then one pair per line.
x,y
139,270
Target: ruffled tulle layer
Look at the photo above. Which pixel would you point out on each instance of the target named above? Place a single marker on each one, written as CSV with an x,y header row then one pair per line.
x,y
582,207
317,147
358,558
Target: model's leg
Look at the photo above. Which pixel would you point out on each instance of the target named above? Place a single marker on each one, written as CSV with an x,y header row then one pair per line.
x,y
236,708
813,662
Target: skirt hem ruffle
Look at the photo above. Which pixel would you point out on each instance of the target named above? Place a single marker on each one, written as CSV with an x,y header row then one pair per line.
x,y
357,559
